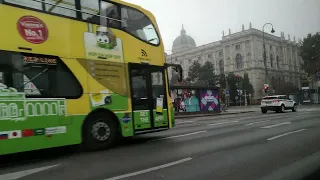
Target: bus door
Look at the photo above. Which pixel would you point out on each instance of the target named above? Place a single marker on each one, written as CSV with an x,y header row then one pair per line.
x,y
147,88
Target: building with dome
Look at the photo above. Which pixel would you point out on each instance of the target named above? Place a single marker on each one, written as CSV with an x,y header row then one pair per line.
x,y
183,42
242,52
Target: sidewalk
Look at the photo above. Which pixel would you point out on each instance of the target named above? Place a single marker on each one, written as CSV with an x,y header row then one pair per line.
x,y
231,110
244,109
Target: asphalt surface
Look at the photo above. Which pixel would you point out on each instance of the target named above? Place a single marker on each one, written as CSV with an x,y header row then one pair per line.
x,y
238,146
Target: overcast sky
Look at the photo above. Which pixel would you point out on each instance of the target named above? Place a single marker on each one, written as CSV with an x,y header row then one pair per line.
x,y
204,20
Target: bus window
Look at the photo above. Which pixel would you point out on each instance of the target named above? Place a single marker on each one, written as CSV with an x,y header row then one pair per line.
x,y
139,25
38,76
65,8
90,8
139,85
108,15
24,3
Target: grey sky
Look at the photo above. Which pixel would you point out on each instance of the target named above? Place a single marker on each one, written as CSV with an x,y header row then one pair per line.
x,y
204,20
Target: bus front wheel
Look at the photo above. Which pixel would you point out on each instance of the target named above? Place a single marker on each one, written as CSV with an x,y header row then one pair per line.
x,y
99,131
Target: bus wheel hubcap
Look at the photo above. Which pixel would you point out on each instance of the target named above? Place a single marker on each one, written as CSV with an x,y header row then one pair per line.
x,y
101,131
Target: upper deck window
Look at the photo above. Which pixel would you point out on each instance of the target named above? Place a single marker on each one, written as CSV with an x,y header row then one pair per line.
x,y
103,13
99,12
65,7
29,4
139,25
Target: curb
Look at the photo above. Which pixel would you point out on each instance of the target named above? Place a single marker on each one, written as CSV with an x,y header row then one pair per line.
x,y
205,115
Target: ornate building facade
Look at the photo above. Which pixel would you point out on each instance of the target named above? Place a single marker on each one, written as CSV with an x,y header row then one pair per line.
x,y
242,52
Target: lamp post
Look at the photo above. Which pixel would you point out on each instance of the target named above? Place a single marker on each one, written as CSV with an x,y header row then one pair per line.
x,y
264,53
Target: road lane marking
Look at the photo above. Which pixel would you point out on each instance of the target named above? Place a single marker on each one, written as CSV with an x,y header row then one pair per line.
x,y
275,125
182,135
257,122
150,169
215,124
184,122
285,134
20,174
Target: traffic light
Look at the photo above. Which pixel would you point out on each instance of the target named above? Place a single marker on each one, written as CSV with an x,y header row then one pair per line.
x,y
266,88
238,77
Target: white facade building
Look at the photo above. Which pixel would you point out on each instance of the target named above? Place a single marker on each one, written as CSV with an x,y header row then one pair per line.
x,y
243,52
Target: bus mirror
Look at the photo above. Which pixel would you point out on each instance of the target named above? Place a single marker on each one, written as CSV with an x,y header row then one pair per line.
x,y
178,69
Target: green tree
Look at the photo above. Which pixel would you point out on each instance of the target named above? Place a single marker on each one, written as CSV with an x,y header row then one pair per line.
x,y
246,85
194,70
222,81
202,75
232,83
310,53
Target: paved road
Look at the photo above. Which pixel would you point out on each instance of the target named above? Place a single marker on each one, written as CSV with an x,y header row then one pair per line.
x,y
244,146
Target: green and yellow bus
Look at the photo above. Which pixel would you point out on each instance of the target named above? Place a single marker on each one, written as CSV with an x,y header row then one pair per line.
x,y
80,72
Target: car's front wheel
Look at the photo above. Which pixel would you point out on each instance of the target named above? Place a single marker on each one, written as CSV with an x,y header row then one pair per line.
x,y
282,108
264,110
294,108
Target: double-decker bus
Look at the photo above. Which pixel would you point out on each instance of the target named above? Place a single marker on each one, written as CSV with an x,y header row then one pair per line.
x,y
80,72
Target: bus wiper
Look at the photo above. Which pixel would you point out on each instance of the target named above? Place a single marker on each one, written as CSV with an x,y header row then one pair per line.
x,y
153,39
34,78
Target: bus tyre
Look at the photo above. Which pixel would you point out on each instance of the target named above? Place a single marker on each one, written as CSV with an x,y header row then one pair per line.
x,y
99,131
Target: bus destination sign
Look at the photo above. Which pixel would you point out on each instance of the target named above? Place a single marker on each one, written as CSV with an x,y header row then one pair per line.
x,y
39,60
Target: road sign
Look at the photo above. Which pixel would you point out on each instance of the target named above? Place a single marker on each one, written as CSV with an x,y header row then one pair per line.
x,y
318,75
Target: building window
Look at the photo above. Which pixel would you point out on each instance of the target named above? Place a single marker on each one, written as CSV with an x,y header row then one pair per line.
x,y
271,59
221,66
278,62
238,47
199,58
38,76
239,61
272,82
220,53
209,55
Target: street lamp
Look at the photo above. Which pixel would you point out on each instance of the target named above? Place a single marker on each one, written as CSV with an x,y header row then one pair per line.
x,y
264,53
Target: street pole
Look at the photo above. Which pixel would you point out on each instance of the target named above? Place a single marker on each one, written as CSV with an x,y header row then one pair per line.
x,y
225,95
240,96
245,98
265,54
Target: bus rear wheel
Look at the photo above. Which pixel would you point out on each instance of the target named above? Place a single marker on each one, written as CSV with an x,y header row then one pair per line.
x,y
99,131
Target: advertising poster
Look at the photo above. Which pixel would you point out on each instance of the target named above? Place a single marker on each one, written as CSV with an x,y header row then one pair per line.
x,y
306,94
103,45
209,100
185,100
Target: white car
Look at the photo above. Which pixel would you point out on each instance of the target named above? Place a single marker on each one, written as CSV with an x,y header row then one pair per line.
x,y
277,103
